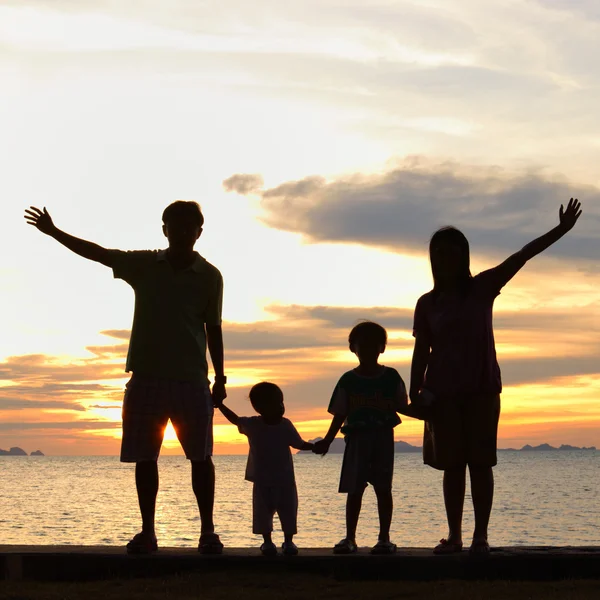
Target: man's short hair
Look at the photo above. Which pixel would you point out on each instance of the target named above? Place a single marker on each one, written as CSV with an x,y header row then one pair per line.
x,y
184,208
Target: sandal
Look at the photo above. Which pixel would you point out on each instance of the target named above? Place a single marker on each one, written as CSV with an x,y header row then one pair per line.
x,y
447,547
479,547
268,549
382,547
210,544
346,546
142,543
289,549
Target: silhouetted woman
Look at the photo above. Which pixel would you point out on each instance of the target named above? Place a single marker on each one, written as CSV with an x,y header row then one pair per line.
x,y
455,361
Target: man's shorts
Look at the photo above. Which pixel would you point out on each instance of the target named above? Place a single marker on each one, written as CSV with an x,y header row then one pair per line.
x,y
462,431
268,500
368,458
148,405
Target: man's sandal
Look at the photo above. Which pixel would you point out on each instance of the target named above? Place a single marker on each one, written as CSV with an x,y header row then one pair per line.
x,y
268,549
142,543
447,547
346,546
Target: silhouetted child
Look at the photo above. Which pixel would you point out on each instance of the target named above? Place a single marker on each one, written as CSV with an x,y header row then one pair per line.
x,y
366,401
270,466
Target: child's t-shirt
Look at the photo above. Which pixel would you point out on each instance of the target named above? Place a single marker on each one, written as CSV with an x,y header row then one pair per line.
x,y
269,459
369,402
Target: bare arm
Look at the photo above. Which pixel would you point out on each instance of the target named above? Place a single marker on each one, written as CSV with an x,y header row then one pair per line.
x,y
420,360
214,338
43,221
229,414
307,446
513,264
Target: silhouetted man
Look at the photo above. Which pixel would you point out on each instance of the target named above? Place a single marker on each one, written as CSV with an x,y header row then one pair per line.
x,y
178,299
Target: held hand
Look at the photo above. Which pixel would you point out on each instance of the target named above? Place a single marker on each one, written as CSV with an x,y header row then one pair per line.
x,y
218,393
569,217
321,447
40,219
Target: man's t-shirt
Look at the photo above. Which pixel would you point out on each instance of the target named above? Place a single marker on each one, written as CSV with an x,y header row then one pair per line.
x,y
269,459
461,337
172,308
369,402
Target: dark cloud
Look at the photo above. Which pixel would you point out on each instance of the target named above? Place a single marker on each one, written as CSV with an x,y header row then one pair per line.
x,y
16,403
80,425
290,350
401,208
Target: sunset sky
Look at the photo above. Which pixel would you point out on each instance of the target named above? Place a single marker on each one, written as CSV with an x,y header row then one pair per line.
x,y
325,141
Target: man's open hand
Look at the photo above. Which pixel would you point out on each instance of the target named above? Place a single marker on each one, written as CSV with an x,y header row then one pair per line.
x,y
40,219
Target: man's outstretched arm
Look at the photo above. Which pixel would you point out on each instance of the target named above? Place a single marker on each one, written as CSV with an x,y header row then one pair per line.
x,y
43,221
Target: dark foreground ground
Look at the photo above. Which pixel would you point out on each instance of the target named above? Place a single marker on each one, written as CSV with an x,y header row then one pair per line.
x,y
248,585
65,572
81,563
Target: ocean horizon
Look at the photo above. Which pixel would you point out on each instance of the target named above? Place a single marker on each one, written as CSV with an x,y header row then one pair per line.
x,y
542,498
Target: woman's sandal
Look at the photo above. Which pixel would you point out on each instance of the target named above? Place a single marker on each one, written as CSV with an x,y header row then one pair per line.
x,y
447,547
210,544
383,548
142,543
346,546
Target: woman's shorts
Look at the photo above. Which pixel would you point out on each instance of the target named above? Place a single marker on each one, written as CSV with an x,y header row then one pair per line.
x,y
462,431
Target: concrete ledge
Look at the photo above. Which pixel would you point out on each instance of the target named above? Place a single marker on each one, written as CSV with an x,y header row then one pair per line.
x,y
80,563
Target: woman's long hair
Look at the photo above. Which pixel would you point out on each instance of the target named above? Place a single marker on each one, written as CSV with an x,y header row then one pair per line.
x,y
455,237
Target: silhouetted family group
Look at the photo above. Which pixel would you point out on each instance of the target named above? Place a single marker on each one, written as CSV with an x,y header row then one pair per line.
x,y
455,387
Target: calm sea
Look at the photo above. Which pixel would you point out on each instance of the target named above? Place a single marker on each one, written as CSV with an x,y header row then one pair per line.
x,y
542,498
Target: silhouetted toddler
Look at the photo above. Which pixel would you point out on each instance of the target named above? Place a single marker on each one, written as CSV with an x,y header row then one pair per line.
x,y
270,466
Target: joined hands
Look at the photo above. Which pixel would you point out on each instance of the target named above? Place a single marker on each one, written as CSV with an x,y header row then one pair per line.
x,y
321,447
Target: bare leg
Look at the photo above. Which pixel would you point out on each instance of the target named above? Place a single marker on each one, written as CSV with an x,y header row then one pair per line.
x,y
203,484
267,538
146,482
385,507
454,499
482,491
288,538
353,506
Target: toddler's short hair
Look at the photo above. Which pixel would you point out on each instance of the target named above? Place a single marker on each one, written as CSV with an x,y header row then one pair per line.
x,y
264,394
184,208
368,330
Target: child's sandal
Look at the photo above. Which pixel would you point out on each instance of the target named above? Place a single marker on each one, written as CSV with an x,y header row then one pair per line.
x,y
383,548
210,543
346,546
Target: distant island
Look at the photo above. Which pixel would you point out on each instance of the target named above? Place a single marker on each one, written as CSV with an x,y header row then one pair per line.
x,y
546,447
16,451
337,447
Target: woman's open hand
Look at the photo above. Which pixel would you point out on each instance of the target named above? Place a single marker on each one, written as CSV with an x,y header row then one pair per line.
x,y
569,217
